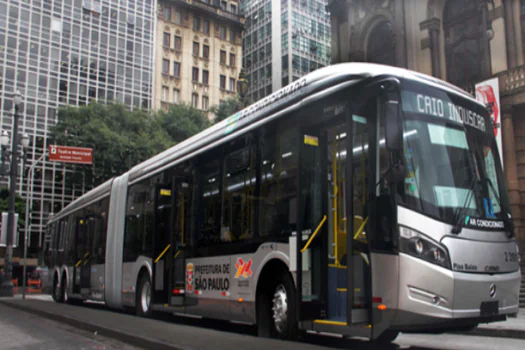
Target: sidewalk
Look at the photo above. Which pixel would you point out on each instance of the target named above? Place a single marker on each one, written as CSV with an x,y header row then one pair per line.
x,y
511,328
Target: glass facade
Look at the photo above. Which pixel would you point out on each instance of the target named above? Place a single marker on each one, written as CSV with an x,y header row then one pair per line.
x,y
302,44
69,52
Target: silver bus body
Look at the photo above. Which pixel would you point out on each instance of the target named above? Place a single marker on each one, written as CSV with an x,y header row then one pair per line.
x,y
409,294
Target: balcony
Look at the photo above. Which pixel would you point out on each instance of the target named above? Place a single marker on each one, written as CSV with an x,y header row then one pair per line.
x,y
212,10
511,82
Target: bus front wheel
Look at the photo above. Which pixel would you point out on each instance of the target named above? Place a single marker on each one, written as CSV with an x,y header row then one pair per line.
x,y
277,309
143,297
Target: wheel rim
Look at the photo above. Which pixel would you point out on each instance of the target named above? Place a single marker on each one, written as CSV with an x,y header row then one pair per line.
x,y
280,308
145,296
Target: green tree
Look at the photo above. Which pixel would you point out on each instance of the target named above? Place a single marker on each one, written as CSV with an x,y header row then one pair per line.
x,y
120,138
227,107
20,205
182,121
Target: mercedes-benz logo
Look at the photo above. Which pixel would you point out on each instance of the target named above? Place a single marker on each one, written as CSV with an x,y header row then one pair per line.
x,y
492,290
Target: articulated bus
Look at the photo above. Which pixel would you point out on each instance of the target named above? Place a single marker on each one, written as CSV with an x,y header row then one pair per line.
x,y
361,200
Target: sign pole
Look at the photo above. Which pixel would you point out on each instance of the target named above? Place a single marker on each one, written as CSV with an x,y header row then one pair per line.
x,y
27,226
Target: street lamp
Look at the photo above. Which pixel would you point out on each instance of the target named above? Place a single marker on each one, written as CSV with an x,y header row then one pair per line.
x,y
6,289
242,86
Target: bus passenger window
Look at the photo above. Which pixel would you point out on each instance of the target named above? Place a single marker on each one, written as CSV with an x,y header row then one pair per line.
x,y
239,192
210,204
278,182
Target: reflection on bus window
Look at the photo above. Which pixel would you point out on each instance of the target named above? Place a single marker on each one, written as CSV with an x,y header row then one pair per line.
x,y
239,192
278,182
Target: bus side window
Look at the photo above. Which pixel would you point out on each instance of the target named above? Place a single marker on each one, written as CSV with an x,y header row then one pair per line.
x,y
278,185
210,203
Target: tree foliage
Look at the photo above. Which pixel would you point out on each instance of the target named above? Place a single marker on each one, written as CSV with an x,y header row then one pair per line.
x,y
182,121
120,138
20,205
228,107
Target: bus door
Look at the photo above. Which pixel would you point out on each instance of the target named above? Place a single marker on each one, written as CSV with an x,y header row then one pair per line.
x,y
85,266
328,195
162,243
80,252
182,238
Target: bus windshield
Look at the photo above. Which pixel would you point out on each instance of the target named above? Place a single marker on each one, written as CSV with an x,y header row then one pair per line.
x,y
453,168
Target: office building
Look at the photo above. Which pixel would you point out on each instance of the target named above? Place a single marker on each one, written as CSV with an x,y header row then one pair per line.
x,y
283,40
68,52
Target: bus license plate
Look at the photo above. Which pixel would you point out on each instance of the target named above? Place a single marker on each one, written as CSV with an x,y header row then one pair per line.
x,y
489,308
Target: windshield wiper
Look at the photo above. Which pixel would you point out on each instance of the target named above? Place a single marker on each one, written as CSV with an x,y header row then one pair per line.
x,y
458,226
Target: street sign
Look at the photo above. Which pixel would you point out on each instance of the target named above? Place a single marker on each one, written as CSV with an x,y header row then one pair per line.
x,y
67,154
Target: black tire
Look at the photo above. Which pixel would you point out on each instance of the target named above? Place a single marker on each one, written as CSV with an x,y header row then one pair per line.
x,y
277,309
57,291
386,338
142,302
63,290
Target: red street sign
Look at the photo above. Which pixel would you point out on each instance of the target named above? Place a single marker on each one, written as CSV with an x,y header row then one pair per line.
x,y
68,154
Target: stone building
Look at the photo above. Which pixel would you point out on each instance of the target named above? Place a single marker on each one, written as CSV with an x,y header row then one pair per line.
x,y
198,52
461,41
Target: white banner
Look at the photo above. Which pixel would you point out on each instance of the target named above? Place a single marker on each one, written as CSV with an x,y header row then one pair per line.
x,y
487,92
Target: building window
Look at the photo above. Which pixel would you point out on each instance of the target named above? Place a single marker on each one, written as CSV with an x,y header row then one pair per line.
x,y
223,57
205,77
195,100
196,24
232,35
205,103
205,51
224,5
223,82
234,8
176,69
165,66
166,39
178,43
165,93
232,59
222,32
195,48
176,96
206,26
195,75
167,13
232,84
178,17
464,42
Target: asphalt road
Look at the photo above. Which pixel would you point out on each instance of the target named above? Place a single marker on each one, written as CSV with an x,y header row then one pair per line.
x,y
20,331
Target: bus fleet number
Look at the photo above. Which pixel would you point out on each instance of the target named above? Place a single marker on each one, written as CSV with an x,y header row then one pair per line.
x,y
511,257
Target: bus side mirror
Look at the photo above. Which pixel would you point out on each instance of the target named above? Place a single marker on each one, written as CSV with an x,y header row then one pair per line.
x,y
393,121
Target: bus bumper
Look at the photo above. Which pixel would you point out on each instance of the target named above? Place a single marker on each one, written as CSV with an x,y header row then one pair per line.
x,y
430,294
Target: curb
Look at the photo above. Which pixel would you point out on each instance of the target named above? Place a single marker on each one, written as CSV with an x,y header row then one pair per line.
x,y
128,338
496,333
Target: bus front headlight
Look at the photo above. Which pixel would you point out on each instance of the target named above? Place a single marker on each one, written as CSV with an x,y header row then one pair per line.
x,y
416,244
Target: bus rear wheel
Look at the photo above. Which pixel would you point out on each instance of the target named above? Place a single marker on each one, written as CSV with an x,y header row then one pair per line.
x,y
143,297
57,290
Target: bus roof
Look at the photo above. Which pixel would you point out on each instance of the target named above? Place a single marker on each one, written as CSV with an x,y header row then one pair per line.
x,y
288,97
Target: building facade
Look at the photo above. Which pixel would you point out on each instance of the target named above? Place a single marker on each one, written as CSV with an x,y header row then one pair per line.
x,y
198,52
283,41
464,42
68,52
